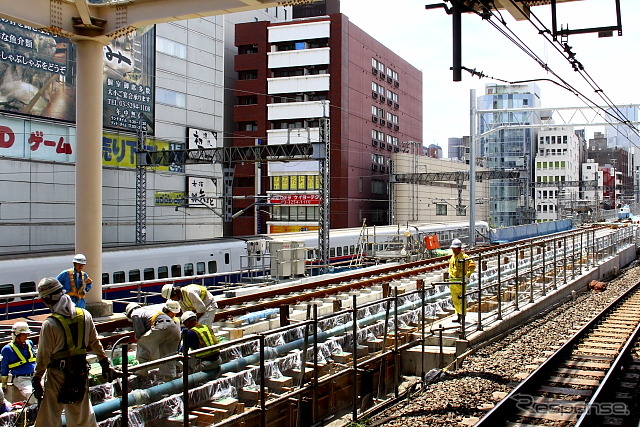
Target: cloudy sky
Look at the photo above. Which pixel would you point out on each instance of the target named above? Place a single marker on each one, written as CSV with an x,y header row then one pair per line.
x,y
423,37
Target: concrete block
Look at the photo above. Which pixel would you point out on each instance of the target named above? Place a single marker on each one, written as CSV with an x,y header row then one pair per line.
x,y
229,404
277,384
342,357
412,359
375,345
296,373
249,394
100,309
234,334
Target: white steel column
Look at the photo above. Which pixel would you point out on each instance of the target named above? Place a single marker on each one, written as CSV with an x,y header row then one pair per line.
x,y
88,237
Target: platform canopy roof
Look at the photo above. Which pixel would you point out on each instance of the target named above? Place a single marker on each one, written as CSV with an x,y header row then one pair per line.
x,y
112,18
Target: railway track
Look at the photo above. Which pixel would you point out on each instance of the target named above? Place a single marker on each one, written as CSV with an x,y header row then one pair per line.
x,y
591,380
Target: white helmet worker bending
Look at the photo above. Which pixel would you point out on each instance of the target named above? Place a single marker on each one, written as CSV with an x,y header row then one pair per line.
x,y
193,297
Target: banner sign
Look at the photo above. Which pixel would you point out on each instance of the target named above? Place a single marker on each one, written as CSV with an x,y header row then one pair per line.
x,y
34,140
291,228
170,198
200,138
295,199
202,192
38,76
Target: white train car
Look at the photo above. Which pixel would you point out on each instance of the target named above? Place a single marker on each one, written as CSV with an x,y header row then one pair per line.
x,y
218,260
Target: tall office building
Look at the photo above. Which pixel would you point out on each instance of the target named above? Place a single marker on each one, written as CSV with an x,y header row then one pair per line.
x,y
292,75
509,149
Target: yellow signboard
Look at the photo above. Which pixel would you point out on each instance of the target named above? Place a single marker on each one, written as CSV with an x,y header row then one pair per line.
x,y
170,198
120,150
291,228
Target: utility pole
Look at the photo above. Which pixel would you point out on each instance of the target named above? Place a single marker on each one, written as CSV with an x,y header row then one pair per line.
x,y
472,171
325,173
141,192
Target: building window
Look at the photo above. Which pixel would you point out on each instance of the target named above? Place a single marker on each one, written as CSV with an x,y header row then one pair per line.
x,y
248,75
247,49
171,47
441,209
248,100
169,97
248,126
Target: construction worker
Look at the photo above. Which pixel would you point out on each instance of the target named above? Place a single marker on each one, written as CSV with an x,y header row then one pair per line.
x,y
76,282
157,333
19,358
200,336
62,353
194,298
458,261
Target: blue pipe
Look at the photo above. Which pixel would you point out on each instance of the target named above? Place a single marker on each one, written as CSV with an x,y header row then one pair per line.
x,y
257,315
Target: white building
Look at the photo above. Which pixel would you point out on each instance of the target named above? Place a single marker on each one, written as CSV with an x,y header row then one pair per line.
x,y
557,173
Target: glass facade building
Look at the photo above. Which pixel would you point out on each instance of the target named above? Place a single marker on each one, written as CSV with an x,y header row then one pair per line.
x,y
509,149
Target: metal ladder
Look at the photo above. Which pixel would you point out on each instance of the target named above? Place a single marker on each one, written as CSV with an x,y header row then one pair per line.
x,y
360,246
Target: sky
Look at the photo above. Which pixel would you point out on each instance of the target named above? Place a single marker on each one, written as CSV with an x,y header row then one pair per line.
x,y
423,38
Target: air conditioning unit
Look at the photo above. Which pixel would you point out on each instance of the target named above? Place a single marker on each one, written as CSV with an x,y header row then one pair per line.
x,y
389,101
396,127
374,94
374,142
374,167
374,70
382,169
382,76
396,149
382,145
389,147
382,122
389,124
374,119
396,105
389,79
382,98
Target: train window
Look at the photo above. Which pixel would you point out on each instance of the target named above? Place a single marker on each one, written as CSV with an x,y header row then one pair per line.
x,y
227,258
163,272
105,278
213,267
332,252
134,275
118,277
149,274
352,249
339,250
6,289
188,269
176,270
345,250
27,287
200,268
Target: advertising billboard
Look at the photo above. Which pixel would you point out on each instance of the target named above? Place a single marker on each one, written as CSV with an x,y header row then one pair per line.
x,y
38,76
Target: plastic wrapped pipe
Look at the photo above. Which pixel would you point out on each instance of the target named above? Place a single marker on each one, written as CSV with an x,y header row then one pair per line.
x,y
258,315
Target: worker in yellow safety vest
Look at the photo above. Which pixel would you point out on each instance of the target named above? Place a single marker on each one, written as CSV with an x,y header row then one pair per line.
x,y
458,263
19,359
200,336
194,298
157,334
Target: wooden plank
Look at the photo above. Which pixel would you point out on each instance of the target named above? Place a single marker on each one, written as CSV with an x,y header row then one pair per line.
x,y
619,340
596,350
584,373
574,381
583,364
591,357
559,402
566,390
599,344
551,416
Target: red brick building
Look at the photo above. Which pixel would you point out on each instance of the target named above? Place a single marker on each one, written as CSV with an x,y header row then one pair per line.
x,y
289,76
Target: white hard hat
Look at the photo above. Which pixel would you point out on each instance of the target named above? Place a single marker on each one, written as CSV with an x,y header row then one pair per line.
x,y
80,259
49,286
166,291
130,307
456,243
188,315
20,328
172,305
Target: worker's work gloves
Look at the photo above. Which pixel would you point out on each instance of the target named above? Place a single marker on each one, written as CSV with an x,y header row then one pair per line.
x,y
5,381
38,391
108,373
